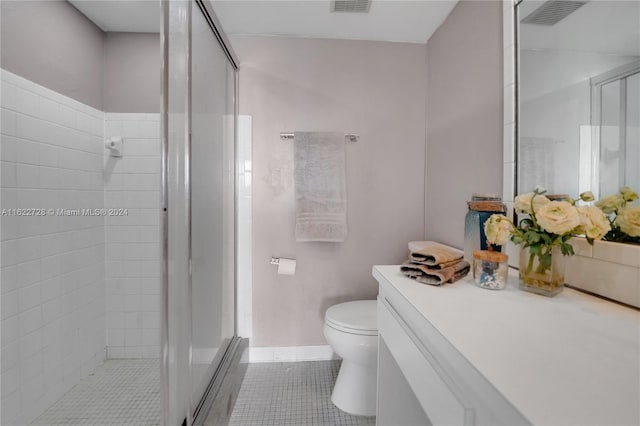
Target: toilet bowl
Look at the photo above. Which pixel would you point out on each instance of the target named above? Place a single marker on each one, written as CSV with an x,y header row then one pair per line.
x,y
351,329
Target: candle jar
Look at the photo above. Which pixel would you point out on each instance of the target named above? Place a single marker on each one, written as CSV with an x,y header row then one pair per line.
x,y
490,269
481,207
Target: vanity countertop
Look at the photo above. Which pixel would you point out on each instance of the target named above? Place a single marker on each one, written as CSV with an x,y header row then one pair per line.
x,y
570,359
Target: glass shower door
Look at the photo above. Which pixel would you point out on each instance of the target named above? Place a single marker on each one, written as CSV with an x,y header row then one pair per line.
x,y
198,133
632,132
212,202
617,107
611,144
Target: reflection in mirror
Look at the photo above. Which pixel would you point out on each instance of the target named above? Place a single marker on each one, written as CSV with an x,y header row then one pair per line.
x,y
579,96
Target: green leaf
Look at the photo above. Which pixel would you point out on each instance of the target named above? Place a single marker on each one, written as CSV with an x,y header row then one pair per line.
x,y
532,236
567,249
545,261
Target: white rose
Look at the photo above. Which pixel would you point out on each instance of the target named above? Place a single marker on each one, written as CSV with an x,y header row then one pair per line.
x,y
522,203
594,224
628,219
611,203
587,196
628,194
558,217
497,229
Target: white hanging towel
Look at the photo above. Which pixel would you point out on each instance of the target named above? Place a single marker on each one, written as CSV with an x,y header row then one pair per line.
x,y
320,186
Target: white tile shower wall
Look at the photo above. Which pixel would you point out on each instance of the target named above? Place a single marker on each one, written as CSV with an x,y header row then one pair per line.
x,y
132,182
244,257
53,275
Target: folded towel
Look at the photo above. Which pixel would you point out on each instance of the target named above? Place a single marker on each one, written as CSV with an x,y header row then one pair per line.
x,y
432,254
461,271
435,276
320,186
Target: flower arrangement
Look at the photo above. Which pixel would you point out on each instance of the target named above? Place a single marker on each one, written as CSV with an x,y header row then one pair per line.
x,y
548,224
546,227
623,217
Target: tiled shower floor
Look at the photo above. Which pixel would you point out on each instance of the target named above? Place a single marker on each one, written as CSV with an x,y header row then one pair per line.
x,y
120,392
291,393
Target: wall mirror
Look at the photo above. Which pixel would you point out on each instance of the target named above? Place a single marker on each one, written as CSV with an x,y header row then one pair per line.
x,y
579,96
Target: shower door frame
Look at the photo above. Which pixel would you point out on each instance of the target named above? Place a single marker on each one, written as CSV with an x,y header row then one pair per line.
x,y
176,275
617,74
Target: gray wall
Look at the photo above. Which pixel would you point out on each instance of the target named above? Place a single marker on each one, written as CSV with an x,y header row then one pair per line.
x,y
464,116
375,89
51,43
132,72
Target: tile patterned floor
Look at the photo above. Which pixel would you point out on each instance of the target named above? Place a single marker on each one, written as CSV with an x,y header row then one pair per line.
x,y
291,393
120,392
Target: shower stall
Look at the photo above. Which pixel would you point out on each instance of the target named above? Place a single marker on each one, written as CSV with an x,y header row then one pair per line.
x,y
118,226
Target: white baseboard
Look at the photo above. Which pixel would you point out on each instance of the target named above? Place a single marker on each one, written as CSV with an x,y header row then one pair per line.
x,y
291,353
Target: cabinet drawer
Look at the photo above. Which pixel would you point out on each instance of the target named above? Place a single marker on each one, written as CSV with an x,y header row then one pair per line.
x,y
435,393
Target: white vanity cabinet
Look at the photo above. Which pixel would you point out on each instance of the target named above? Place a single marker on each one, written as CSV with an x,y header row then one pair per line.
x,y
462,355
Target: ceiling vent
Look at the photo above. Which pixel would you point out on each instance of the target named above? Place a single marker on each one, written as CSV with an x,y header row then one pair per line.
x,y
552,12
359,6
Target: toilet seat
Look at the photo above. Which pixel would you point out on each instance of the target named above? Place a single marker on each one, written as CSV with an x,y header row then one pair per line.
x,y
358,317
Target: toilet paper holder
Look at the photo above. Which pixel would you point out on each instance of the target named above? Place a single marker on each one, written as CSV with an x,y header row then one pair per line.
x,y
285,266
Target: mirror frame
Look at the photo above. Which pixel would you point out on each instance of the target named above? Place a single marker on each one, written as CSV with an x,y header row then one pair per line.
x,y
509,153
510,113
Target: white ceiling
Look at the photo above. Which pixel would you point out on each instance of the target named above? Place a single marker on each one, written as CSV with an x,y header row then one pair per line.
x,y
138,16
602,26
412,21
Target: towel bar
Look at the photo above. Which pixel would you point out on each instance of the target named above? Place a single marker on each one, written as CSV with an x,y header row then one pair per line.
x,y
350,136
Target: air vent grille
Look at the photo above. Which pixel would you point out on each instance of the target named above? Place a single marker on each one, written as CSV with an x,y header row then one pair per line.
x,y
552,12
361,6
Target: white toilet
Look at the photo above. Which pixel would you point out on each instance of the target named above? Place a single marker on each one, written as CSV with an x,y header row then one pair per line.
x,y
351,329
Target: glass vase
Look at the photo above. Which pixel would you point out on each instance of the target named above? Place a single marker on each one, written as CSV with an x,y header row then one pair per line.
x,y
535,278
